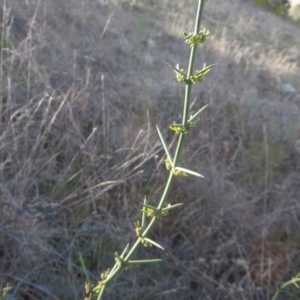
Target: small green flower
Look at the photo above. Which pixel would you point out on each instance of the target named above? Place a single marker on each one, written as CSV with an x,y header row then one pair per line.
x,y
168,164
199,75
119,260
165,213
181,77
87,287
150,212
179,128
179,173
146,243
138,231
104,275
193,39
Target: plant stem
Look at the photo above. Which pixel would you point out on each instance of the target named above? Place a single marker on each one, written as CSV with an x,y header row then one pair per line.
x,y
116,269
188,86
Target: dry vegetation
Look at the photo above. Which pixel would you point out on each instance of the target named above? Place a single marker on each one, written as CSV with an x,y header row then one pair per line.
x,y
68,67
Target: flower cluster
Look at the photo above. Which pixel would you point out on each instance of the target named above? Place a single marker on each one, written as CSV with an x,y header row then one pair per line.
x,y
199,76
182,75
179,128
193,39
174,170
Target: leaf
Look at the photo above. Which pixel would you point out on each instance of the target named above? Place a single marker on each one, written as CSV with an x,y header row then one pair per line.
x,y
153,243
176,70
165,146
171,206
188,172
193,117
205,70
125,250
150,206
146,261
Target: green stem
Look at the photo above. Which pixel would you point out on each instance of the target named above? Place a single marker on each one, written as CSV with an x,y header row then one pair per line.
x,y
101,292
116,269
188,86
166,191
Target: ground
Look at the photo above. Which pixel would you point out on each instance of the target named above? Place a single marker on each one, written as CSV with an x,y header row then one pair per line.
x,y
83,84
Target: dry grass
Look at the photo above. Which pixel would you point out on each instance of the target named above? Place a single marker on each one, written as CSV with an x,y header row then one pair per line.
x,y
68,67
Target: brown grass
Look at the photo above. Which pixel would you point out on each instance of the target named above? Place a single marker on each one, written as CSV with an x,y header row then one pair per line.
x,y
69,67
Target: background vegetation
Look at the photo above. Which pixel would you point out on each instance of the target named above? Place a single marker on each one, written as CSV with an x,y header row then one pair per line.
x,y
279,7
68,67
